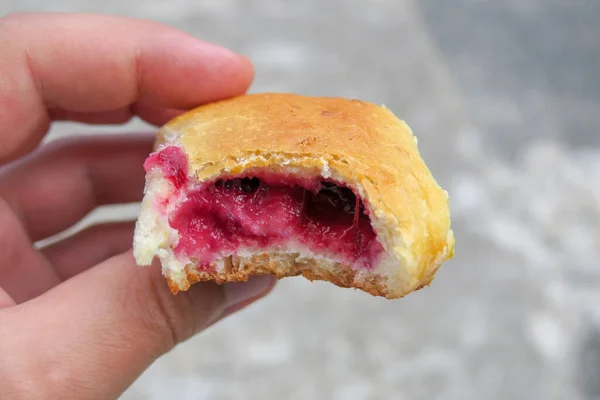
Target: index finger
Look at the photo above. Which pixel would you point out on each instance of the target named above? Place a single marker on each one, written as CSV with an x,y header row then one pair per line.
x,y
79,63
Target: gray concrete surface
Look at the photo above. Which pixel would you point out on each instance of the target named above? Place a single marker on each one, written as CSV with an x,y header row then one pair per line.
x,y
505,99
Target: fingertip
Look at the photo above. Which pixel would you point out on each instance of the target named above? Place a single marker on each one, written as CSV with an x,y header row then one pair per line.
x,y
199,72
248,67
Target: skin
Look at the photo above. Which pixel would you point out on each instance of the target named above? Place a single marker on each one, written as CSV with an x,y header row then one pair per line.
x,y
79,319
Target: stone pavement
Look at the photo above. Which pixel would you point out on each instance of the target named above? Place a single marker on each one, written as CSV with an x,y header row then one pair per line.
x,y
505,100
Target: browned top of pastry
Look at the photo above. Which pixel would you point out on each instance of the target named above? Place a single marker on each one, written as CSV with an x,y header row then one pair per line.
x,y
365,145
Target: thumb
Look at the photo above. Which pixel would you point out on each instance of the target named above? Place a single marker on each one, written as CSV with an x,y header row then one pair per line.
x,y
111,322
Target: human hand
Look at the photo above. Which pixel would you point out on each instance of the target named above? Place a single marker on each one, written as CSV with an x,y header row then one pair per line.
x,y
79,319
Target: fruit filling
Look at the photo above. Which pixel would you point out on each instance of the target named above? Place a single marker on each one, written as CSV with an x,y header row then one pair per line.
x,y
266,211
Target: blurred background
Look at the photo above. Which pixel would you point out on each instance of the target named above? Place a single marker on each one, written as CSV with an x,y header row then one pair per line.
x,y
505,99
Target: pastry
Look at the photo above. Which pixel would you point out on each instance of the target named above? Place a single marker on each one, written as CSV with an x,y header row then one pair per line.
x,y
282,184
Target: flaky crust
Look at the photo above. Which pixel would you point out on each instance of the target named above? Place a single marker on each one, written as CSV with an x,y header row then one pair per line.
x,y
359,143
240,269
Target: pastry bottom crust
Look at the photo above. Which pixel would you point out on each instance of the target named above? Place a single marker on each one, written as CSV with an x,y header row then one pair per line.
x,y
281,265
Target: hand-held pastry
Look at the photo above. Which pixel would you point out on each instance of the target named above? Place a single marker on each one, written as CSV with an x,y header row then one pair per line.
x,y
282,184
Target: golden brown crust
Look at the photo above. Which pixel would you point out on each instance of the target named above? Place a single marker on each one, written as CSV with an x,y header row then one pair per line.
x,y
362,144
279,267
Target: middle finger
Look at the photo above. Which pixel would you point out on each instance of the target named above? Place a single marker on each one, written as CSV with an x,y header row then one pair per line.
x,y
57,186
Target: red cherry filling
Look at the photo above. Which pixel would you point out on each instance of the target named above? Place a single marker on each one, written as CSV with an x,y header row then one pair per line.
x,y
266,211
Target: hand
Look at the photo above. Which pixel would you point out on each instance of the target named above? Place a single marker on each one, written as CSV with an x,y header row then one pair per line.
x,y
79,319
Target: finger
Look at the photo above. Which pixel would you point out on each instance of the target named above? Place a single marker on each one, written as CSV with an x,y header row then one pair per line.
x,y
151,114
94,63
109,324
108,117
24,272
89,247
156,115
58,185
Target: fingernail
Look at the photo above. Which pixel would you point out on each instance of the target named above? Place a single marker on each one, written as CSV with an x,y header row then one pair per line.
x,y
237,293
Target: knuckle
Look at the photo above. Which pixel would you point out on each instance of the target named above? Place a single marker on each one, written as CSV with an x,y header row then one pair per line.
x,y
161,315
